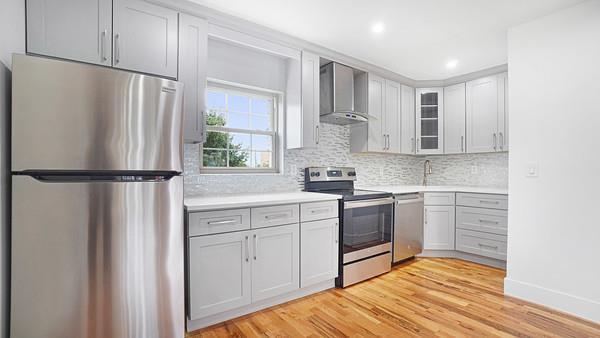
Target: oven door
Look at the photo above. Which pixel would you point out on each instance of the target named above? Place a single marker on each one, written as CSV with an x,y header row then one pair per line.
x,y
367,228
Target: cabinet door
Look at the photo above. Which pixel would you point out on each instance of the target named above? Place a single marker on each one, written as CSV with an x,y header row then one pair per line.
x,y
144,37
376,114
193,43
219,273
503,112
482,115
275,261
439,228
407,134
430,121
310,100
319,251
71,29
392,125
454,119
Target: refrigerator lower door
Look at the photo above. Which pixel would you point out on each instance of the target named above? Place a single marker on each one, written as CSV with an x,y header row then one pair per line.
x,y
97,259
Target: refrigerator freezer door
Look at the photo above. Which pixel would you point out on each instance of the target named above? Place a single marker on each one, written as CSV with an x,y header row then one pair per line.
x,y
97,259
73,116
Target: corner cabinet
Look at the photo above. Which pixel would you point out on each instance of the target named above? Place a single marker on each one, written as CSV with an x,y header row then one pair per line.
x,y
71,29
454,117
429,121
486,114
193,45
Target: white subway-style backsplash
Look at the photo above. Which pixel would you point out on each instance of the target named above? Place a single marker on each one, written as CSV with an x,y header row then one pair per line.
x,y
372,169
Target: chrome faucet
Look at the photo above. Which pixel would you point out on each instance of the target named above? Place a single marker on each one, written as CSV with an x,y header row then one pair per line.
x,y
427,170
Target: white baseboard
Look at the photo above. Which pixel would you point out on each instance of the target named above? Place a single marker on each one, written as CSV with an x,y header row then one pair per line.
x,y
577,306
464,256
193,325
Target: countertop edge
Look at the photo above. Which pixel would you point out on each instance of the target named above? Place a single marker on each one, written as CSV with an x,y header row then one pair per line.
x,y
223,204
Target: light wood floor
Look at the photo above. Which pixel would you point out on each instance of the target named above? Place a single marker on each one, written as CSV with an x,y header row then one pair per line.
x,y
424,298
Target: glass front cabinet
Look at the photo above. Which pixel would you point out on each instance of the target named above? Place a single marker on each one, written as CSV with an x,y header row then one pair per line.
x,y
430,120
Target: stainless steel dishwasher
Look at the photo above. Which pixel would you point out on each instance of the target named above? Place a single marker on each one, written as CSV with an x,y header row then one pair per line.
x,y
408,226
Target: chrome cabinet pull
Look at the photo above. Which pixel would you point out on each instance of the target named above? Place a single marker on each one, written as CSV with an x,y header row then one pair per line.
x,y
337,232
117,49
319,211
247,250
417,150
255,246
425,216
276,216
103,45
412,145
495,142
227,221
495,247
501,141
481,220
317,136
462,144
489,202
203,132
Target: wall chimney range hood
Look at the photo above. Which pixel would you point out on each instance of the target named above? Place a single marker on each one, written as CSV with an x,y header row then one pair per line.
x,y
343,94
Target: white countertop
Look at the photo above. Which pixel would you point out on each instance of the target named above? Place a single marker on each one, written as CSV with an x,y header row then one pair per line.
x,y
406,189
231,201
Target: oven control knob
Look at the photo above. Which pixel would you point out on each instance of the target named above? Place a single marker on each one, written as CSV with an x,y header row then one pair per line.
x,y
317,174
351,173
312,174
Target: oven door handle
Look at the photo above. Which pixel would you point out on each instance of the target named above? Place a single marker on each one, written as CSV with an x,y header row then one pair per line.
x,y
368,203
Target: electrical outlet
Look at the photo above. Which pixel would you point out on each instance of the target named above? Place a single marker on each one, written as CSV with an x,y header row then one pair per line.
x,y
474,170
532,170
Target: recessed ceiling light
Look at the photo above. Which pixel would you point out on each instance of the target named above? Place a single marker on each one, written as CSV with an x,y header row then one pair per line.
x,y
452,64
378,27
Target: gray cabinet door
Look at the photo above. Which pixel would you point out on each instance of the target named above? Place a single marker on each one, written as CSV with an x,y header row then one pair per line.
x,y
454,119
310,100
193,43
145,37
482,115
376,114
70,29
392,127
407,134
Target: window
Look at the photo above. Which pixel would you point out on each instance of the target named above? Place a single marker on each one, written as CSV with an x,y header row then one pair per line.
x,y
241,130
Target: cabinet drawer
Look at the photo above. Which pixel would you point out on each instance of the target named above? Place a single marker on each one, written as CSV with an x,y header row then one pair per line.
x,y
214,222
482,201
484,220
480,243
275,215
318,210
439,198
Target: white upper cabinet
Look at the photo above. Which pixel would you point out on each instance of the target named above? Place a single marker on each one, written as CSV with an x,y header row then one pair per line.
x,y
486,114
71,29
193,43
407,120
376,107
503,112
145,37
310,99
454,119
430,120
392,122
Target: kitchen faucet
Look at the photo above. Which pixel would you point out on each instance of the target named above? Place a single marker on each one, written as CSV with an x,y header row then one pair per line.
x,y
427,170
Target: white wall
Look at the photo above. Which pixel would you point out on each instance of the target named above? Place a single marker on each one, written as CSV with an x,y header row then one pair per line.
x,y
554,223
12,39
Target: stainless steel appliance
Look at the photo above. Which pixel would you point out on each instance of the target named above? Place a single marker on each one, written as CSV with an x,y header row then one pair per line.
x,y
343,94
365,222
97,202
408,226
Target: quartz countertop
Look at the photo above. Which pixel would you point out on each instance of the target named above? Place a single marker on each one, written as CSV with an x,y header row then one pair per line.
x,y
406,189
231,201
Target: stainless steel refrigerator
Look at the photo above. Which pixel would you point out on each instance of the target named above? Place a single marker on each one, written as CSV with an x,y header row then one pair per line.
x,y
97,202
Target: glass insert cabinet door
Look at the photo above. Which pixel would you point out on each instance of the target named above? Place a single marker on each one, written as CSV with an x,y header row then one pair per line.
x,y
430,120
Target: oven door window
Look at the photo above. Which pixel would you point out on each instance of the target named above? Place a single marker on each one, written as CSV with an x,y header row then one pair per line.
x,y
366,226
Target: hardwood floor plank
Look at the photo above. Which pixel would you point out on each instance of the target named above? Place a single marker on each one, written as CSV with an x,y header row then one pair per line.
x,y
429,297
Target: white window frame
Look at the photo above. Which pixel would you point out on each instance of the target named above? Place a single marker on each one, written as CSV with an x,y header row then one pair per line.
x,y
246,90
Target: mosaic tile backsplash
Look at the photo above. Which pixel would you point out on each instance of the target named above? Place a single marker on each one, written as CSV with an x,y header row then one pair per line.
x,y
372,169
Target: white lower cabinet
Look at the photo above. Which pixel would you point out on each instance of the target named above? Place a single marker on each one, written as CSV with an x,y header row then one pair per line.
x,y
219,273
275,261
439,227
319,251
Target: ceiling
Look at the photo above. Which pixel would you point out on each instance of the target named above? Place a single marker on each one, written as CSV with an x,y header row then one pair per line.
x,y
419,38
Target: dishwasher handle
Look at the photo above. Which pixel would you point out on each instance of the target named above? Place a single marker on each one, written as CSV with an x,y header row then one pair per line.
x,y
417,199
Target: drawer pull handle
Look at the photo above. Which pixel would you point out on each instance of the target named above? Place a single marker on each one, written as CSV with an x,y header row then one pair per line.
x,y
226,221
276,216
495,247
481,220
255,246
489,202
319,211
